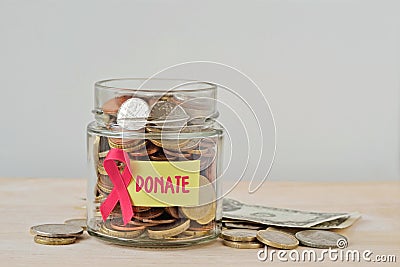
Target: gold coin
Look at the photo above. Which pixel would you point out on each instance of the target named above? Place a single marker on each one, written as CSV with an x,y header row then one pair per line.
x,y
43,240
277,239
290,231
239,235
78,222
179,237
242,245
103,154
206,200
209,216
168,230
161,221
170,143
197,233
107,229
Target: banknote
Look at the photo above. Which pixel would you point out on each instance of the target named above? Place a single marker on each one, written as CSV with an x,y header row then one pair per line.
x,y
233,209
340,223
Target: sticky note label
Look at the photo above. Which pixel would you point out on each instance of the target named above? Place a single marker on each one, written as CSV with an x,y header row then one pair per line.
x,y
164,183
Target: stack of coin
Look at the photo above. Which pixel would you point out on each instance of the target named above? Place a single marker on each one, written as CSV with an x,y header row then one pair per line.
x,y
240,238
56,234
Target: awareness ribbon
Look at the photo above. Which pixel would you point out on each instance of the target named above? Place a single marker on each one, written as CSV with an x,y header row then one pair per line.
x,y
120,182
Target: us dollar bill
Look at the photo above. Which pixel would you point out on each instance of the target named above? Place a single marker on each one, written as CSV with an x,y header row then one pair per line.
x,y
233,209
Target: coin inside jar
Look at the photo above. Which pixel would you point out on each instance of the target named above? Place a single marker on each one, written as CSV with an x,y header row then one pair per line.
x,y
168,230
133,113
169,113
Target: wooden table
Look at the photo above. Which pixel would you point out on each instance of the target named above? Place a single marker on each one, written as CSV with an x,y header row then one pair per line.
x,y
26,202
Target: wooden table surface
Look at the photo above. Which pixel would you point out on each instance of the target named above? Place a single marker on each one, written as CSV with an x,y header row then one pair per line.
x,y
26,202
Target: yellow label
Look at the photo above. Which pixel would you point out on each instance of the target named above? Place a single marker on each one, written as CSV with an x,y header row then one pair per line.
x,y
164,183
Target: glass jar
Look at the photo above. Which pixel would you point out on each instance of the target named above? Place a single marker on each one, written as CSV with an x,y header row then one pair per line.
x,y
154,153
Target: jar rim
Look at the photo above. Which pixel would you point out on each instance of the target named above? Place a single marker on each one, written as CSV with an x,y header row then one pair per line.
x,y
179,85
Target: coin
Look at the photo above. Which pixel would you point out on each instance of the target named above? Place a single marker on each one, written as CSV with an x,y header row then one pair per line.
x,y
209,216
290,231
194,226
173,211
164,110
133,114
197,233
240,225
140,208
112,105
239,235
205,207
319,238
277,239
176,144
56,230
118,224
149,214
168,230
107,229
43,240
155,221
242,245
78,222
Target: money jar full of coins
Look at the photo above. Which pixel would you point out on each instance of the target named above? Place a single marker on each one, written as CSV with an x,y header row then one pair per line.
x,y
154,153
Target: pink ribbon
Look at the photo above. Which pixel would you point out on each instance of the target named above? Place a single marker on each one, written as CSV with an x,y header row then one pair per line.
x,y
120,181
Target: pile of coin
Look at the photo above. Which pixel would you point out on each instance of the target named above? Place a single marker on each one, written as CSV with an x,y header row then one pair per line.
x,y
281,238
56,234
163,122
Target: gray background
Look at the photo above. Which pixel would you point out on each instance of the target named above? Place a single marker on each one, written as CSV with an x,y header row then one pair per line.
x,y
330,70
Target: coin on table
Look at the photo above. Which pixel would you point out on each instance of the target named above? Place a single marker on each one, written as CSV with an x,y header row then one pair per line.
x,y
320,239
242,245
277,239
239,235
43,240
56,230
288,230
168,230
133,114
78,222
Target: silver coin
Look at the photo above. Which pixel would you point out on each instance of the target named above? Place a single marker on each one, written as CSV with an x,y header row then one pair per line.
x,y
77,222
56,230
133,113
319,238
168,114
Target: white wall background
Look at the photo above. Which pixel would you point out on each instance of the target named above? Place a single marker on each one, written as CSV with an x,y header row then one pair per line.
x,y
330,70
